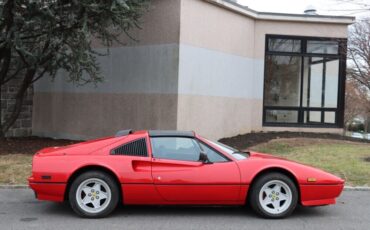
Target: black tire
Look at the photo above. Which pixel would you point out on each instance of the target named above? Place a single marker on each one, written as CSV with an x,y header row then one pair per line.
x,y
115,194
254,200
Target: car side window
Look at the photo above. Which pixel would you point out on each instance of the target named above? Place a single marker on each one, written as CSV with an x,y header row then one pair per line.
x,y
175,148
212,154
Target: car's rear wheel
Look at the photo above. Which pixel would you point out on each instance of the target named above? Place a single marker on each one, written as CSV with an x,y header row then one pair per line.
x,y
93,194
273,195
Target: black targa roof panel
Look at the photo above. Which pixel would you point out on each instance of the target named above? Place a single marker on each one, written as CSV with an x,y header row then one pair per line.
x,y
170,133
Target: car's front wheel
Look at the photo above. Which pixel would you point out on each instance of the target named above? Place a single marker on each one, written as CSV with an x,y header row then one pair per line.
x,y
93,194
273,195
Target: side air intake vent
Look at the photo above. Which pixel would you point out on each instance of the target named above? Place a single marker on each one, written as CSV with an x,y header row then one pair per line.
x,y
134,148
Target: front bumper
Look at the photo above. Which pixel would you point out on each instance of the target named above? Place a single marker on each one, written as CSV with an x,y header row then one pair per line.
x,y
320,194
48,190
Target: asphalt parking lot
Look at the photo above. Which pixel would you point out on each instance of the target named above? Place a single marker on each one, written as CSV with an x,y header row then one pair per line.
x,y
20,210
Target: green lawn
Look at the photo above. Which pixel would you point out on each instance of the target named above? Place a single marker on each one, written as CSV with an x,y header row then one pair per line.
x,y
15,168
342,158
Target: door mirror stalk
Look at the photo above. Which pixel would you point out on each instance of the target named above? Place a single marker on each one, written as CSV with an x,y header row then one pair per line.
x,y
204,158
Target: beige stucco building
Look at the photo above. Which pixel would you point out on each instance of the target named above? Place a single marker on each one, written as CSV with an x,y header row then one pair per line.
x,y
211,66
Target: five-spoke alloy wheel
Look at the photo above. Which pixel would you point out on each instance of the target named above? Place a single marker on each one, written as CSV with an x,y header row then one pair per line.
x,y
93,194
273,195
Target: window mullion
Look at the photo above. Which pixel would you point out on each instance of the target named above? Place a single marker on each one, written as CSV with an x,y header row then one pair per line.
x,y
300,111
323,88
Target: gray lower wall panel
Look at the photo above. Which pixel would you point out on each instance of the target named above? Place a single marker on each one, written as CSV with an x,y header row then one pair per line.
x,y
139,69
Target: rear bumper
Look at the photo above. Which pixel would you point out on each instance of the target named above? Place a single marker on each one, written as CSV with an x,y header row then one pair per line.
x,y
48,190
316,195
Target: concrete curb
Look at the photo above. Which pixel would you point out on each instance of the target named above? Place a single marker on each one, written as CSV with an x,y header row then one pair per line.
x,y
24,186
358,188
14,186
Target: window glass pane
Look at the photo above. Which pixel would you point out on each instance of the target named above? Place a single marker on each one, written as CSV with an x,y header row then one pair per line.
x,y
282,81
229,150
284,116
313,80
322,47
312,116
329,117
213,156
284,45
312,88
331,83
175,148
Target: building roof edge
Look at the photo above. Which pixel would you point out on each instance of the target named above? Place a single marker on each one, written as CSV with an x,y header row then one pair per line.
x,y
232,6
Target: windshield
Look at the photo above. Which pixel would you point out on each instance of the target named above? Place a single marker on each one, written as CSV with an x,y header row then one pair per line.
x,y
231,151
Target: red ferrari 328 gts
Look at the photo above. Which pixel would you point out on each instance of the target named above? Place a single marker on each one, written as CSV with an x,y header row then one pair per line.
x,y
175,168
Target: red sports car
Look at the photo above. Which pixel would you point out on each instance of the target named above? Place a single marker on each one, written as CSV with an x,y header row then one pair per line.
x,y
175,168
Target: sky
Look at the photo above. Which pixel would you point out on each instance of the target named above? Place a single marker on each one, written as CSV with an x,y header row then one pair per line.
x,y
324,7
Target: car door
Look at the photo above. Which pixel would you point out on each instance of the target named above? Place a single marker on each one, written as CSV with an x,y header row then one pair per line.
x,y
179,176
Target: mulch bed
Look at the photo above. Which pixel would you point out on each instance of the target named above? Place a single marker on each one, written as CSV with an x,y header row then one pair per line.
x,y
29,145
250,139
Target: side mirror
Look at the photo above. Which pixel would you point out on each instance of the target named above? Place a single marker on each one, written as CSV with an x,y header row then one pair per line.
x,y
204,158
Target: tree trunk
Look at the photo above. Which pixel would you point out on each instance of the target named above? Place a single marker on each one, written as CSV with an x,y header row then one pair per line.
x,y
366,125
9,121
2,134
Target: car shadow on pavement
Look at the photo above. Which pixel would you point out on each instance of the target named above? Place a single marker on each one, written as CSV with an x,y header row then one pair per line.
x,y
63,209
220,211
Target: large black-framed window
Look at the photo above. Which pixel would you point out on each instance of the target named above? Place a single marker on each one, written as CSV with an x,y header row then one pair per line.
x,y
304,81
